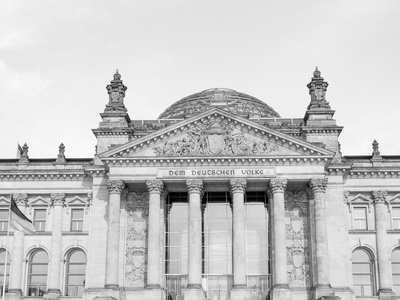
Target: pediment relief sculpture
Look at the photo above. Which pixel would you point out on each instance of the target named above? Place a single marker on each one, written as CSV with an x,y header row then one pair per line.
x,y
216,137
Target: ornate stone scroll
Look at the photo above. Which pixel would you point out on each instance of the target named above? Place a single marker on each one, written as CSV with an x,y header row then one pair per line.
x,y
297,239
216,137
137,209
20,199
57,199
155,186
195,186
319,184
115,187
379,196
238,185
278,185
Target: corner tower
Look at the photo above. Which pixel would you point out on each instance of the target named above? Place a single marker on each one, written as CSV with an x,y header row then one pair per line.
x,y
114,129
319,125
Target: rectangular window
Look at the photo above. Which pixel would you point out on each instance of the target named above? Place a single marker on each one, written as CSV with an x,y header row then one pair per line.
x,y
360,218
77,219
3,220
39,219
396,217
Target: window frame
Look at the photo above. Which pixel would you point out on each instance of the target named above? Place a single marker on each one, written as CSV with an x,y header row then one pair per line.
x,y
354,219
8,263
29,273
40,221
82,221
392,218
68,274
4,223
372,273
392,271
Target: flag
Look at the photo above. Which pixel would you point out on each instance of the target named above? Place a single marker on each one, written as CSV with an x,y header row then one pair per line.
x,y
18,221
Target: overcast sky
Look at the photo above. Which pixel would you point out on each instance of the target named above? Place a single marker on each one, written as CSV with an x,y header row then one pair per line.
x,y
56,58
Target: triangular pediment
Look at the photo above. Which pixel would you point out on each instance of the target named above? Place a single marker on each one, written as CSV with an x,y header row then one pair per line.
x,y
216,133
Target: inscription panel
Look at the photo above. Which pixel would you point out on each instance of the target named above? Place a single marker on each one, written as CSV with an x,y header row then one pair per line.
x,y
216,173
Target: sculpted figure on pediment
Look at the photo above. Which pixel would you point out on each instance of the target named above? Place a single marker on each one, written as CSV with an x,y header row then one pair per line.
x,y
215,137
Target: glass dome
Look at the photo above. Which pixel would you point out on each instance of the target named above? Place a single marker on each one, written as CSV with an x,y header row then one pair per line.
x,y
229,100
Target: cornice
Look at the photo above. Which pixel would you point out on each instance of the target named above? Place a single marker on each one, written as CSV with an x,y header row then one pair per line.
x,y
43,175
382,174
334,130
217,161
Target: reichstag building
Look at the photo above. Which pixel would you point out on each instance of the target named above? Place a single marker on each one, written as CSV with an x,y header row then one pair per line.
x,y
218,198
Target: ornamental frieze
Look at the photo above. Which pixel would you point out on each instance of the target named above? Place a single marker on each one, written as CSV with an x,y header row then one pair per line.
x,y
216,137
137,210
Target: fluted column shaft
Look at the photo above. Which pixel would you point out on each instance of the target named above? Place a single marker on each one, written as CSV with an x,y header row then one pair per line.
x,y
318,186
238,188
195,190
155,187
385,285
18,250
58,201
112,257
278,187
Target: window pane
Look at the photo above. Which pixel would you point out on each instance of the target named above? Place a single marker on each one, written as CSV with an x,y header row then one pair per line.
x,y
40,257
3,214
396,212
360,256
396,268
396,256
39,268
76,269
364,279
78,256
361,268
40,214
77,214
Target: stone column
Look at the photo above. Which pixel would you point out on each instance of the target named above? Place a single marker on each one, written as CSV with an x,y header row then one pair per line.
x,y
194,289
280,289
239,291
155,187
18,251
385,285
112,256
323,286
54,289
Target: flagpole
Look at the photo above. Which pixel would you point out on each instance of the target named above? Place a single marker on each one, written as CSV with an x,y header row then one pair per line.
x,y
6,257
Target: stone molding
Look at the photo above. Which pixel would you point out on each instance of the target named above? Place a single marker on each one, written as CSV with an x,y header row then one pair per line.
x,y
278,185
57,199
379,196
115,187
238,186
319,184
155,186
20,199
195,186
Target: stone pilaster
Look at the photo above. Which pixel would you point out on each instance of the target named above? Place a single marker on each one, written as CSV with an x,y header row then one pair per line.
x,y
280,289
54,289
323,286
385,285
155,187
238,189
115,189
15,286
194,289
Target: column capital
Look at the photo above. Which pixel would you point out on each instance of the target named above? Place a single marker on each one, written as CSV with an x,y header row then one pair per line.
x,y
155,186
278,185
115,187
195,186
379,196
20,199
238,186
57,199
319,184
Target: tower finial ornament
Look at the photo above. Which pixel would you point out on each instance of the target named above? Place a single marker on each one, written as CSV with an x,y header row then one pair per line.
x,y
116,93
317,89
376,154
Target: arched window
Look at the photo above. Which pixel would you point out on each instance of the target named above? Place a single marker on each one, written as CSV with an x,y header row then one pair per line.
x,y
37,273
2,268
75,273
396,270
363,272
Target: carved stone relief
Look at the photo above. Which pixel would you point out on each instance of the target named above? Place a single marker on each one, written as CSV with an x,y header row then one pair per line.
x,y
137,209
297,238
216,137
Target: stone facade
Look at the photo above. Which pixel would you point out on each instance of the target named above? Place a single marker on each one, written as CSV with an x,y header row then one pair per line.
x,y
220,198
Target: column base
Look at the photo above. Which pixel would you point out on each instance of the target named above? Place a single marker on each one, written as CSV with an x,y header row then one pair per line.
x,y
280,292
52,294
112,286
240,292
194,292
386,294
323,290
153,294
